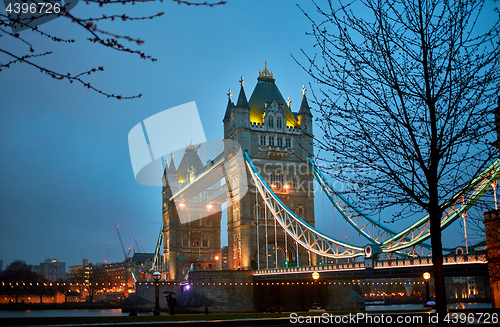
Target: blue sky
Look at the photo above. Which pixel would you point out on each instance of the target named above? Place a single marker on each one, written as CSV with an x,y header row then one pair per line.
x,y
66,172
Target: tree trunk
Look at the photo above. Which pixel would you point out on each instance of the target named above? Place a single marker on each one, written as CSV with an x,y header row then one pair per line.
x,y
435,215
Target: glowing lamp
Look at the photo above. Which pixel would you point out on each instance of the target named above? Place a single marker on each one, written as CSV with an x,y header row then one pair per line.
x,y
427,276
216,257
156,276
315,275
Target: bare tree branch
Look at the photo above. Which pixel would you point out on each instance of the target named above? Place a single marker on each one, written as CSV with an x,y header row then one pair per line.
x,y
408,88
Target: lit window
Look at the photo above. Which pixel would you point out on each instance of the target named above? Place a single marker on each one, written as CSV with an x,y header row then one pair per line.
x,y
277,180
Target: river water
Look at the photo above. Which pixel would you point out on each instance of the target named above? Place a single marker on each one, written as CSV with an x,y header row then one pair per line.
x,y
118,312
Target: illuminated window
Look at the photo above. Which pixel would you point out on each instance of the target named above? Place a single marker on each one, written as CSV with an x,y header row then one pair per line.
x,y
277,180
278,122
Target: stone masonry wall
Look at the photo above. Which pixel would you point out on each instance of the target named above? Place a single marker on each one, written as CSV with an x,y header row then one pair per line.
x,y
236,291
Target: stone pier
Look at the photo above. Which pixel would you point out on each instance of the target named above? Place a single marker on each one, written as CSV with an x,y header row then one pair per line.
x,y
236,291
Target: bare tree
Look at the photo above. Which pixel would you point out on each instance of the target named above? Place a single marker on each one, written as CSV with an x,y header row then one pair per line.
x,y
407,87
115,41
18,278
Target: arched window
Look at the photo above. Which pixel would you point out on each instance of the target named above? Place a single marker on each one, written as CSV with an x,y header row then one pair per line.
x,y
300,211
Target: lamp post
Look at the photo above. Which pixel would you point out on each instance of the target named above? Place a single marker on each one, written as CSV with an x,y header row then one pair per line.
x,y
427,276
157,276
315,276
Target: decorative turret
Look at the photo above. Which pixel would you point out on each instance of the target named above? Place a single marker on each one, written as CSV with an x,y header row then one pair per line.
x,y
242,98
305,110
190,161
241,117
264,74
227,116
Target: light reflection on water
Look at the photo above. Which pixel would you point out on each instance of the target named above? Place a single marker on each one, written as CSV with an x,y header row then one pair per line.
x,y
63,313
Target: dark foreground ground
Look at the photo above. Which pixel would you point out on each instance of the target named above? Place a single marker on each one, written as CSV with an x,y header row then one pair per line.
x,y
420,318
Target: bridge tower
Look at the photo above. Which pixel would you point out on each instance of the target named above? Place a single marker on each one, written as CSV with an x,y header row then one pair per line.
x,y
279,142
195,242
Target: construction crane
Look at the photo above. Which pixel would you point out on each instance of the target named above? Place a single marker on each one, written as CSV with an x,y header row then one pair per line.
x,y
123,248
135,239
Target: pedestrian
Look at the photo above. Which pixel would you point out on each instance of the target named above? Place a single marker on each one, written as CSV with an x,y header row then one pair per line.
x,y
172,302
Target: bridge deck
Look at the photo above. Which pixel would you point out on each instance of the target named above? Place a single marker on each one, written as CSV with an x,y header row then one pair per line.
x,y
454,265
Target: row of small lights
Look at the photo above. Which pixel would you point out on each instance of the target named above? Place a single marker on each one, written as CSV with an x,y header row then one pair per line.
x,y
287,283
57,284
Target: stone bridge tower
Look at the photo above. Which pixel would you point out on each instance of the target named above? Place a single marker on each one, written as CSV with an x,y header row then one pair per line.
x,y
279,142
194,243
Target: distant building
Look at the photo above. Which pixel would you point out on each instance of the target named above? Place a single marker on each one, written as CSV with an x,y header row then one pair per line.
x,y
50,269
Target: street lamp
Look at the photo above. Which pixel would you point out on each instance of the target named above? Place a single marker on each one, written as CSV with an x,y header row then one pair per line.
x,y
315,276
157,276
427,276
216,262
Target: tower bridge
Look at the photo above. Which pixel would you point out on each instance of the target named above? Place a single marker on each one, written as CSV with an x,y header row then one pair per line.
x,y
265,173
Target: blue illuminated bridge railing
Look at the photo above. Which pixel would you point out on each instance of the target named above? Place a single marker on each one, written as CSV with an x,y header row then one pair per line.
x,y
472,258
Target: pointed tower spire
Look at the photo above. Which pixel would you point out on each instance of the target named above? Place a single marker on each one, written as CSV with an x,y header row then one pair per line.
x,y
242,98
171,167
305,110
229,107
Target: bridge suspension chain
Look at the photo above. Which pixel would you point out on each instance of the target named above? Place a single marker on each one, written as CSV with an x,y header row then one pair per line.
x,y
413,236
302,233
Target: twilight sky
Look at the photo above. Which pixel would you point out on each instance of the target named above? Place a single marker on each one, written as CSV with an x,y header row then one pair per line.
x,y
66,176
